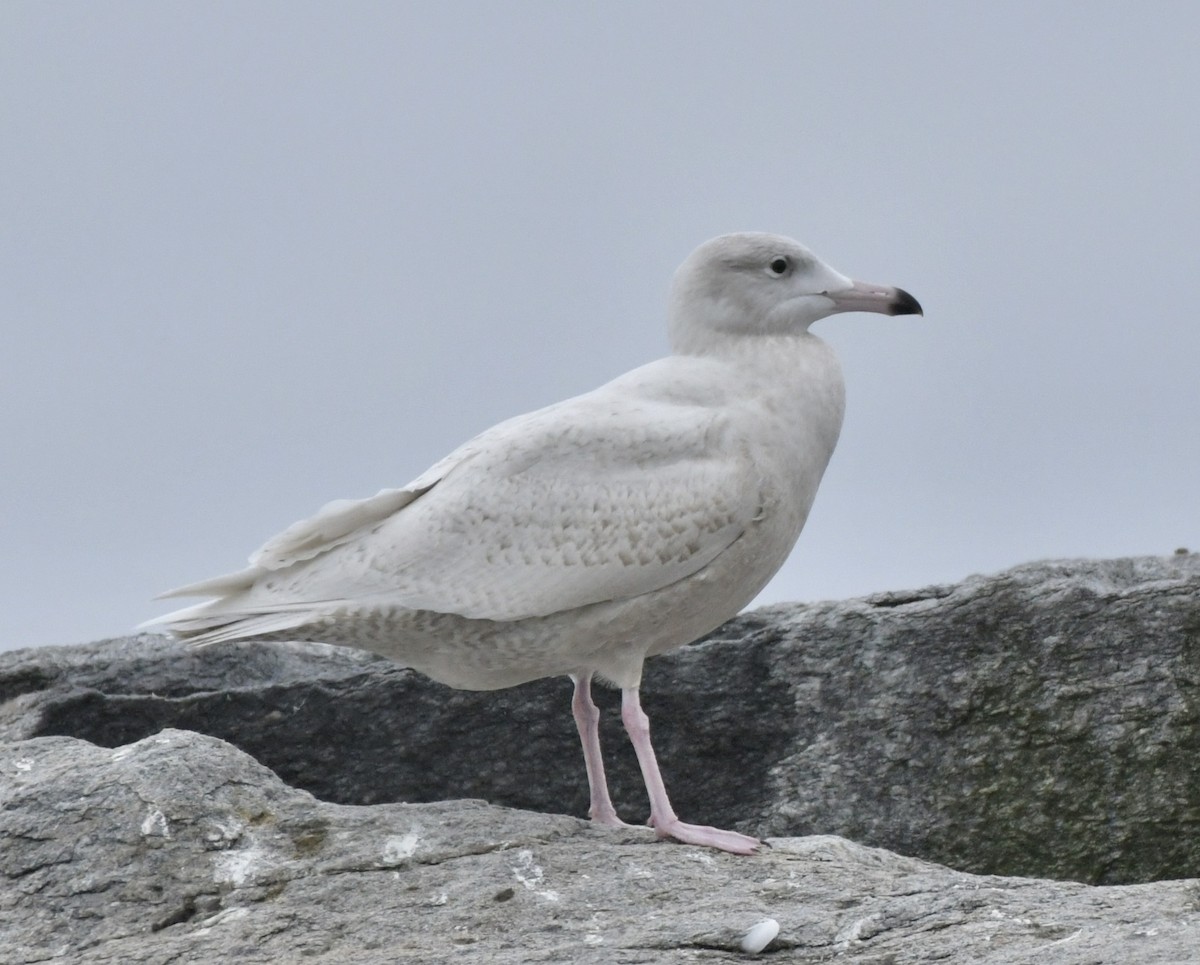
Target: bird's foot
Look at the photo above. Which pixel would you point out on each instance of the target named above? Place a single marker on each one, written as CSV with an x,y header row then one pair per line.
x,y
700,834
608,819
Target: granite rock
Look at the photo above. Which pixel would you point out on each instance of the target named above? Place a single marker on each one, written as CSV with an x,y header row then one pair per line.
x,y
1044,721
180,847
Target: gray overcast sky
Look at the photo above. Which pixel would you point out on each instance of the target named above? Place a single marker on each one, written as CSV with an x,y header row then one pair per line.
x,y
257,256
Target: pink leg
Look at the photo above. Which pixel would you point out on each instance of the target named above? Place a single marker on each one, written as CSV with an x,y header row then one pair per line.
x,y
662,816
587,719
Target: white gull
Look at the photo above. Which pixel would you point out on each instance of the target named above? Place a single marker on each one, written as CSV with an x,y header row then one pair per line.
x,y
584,537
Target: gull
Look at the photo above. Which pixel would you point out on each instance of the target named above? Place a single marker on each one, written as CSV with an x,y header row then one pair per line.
x,y
584,537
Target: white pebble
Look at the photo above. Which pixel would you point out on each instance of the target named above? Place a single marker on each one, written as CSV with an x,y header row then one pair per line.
x,y
760,936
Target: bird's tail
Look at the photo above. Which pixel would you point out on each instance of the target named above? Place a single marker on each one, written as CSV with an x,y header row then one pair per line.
x,y
237,613
217,621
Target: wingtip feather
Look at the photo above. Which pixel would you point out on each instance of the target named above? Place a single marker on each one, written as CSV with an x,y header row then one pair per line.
x,y
218,585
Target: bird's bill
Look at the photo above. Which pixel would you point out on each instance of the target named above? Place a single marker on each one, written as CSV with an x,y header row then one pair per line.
x,y
862,296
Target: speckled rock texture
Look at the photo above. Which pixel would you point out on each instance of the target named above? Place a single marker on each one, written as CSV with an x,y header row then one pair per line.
x,y
180,848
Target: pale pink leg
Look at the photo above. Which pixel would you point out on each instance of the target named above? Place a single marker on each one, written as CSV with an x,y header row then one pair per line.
x,y
662,816
587,719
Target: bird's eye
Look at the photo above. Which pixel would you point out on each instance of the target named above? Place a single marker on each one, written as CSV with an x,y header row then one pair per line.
x,y
779,266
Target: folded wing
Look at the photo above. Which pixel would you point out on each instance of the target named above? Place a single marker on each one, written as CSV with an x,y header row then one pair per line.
x,y
602,497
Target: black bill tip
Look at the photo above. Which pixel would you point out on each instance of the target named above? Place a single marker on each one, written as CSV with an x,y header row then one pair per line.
x,y
904,304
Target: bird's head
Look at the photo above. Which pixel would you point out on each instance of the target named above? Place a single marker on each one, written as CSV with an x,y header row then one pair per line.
x,y
751,283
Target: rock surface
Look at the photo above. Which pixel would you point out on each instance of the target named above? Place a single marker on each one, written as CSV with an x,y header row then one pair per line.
x,y
182,848
1044,721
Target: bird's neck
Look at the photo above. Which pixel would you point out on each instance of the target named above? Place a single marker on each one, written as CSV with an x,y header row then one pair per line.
x,y
796,382
788,372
